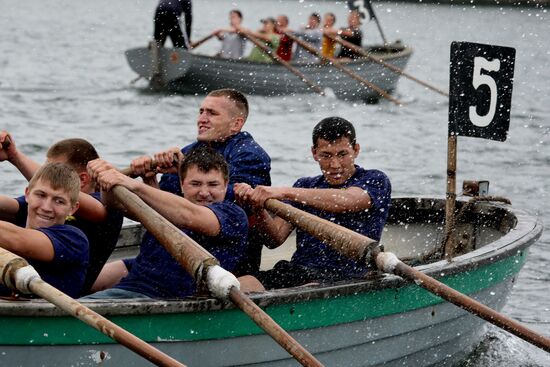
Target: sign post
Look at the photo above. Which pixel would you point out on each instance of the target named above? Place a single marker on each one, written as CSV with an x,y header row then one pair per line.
x,y
480,98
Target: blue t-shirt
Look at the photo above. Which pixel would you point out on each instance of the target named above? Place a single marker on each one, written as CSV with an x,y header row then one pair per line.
x,y
247,161
102,236
155,273
311,252
67,270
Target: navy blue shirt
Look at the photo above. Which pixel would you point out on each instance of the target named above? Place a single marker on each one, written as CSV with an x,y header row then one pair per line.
x,y
67,270
102,236
312,253
247,161
155,273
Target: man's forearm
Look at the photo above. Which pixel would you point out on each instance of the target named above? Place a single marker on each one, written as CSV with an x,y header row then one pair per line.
x,y
331,200
25,165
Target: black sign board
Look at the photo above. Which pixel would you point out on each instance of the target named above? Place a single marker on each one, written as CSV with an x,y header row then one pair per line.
x,y
480,93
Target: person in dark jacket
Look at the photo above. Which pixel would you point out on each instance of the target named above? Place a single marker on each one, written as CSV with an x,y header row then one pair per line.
x,y
167,16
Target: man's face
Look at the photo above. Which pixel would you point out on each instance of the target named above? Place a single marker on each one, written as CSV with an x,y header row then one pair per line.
x,y
218,119
282,21
47,207
203,188
336,159
329,20
234,19
312,22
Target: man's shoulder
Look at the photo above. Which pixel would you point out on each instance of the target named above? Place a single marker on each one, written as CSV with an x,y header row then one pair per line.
x,y
371,174
232,218
244,143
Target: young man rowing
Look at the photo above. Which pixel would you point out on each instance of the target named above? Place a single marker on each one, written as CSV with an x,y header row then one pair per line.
x,y
34,228
345,194
202,213
221,118
101,225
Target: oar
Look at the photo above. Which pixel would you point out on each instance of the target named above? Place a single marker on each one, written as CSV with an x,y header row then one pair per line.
x,y
362,248
277,59
201,41
198,263
393,68
311,49
17,274
128,171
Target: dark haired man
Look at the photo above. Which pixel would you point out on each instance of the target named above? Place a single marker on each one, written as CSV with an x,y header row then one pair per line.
x,y
100,225
313,35
233,43
222,115
33,227
345,194
217,225
284,51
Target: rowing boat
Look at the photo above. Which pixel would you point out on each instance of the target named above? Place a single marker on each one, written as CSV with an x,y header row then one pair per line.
x,y
181,71
381,320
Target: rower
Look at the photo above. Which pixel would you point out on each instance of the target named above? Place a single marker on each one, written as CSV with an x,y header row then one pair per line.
x,y
344,193
232,43
101,225
328,47
352,33
284,51
33,227
222,115
267,35
312,35
218,225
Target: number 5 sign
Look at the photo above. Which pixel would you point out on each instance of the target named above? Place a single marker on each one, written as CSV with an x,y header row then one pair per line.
x,y
480,90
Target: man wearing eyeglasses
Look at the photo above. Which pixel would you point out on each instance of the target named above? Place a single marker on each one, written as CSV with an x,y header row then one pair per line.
x,y
344,193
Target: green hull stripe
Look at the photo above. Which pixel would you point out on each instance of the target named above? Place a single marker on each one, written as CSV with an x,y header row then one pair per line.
x,y
232,323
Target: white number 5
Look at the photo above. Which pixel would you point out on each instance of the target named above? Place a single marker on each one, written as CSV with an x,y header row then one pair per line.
x,y
479,79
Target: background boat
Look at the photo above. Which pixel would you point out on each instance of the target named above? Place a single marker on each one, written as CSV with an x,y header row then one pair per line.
x,y
381,320
190,73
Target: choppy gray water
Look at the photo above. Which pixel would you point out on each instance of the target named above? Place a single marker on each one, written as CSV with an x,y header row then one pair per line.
x,y
63,74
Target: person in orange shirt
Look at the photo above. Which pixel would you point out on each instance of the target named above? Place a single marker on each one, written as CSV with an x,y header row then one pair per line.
x,y
328,47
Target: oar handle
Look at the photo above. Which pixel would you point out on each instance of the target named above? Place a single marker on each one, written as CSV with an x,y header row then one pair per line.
x,y
388,262
10,264
269,52
349,243
311,49
201,41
